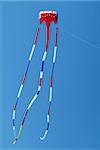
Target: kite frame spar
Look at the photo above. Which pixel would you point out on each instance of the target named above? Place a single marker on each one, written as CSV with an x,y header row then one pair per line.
x,y
48,17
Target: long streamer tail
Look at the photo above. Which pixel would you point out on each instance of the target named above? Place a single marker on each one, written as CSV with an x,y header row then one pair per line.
x,y
50,93
21,88
34,97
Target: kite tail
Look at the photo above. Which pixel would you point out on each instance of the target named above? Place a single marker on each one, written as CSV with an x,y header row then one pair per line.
x,y
51,88
34,97
21,88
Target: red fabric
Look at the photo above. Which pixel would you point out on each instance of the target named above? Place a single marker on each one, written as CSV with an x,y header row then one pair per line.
x,y
40,83
37,32
56,36
24,79
48,18
50,82
14,107
49,111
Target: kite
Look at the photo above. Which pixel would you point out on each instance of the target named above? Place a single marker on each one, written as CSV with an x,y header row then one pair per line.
x,y
47,17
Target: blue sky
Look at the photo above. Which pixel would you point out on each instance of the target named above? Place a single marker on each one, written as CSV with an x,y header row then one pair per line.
x,y
75,122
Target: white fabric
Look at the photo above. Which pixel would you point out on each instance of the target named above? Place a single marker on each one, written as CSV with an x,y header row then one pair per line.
x,y
30,57
32,101
41,74
54,56
44,56
20,90
50,97
45,134
13,114
48,118
39,87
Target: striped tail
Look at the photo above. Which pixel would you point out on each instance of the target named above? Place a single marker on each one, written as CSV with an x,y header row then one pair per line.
x,y
50,93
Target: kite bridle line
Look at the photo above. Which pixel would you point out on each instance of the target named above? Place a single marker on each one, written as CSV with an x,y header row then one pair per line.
x,y
48,21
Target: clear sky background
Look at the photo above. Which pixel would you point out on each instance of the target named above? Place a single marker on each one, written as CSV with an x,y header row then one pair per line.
x,y
75,122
